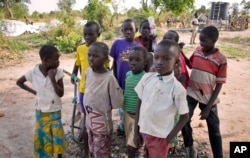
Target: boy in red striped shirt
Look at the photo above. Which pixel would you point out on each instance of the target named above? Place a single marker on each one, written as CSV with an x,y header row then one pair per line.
x,y
209,69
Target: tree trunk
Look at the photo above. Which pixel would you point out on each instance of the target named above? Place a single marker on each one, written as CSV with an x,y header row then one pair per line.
x,y
8,12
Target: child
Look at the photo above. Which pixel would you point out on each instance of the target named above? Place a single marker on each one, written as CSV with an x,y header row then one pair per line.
x,y
136,60
147,40
209,68
160,97
47,80
195,28
91,32
102,94
119,52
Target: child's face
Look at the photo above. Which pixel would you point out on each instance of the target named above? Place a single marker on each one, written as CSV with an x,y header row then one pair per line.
x,y
145,30
96,57
90,34
206,43
136,61
164,60
52,62
128,29
169,36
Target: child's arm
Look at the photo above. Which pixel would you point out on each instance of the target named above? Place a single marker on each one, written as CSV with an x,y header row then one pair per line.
x,y
137,137
58,86
205,112
114,68
180,124
188,62
20,82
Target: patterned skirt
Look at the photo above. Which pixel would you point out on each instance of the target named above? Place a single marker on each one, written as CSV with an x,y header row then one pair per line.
x,y
49,136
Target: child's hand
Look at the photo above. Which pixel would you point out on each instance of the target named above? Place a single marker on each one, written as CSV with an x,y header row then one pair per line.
x,y
205,113
52,73
138,139
152,37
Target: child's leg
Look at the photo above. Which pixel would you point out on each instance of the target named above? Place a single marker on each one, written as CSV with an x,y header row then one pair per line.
x,y
187,129
213,124
120,129
101,145
156,147
129,124
59,155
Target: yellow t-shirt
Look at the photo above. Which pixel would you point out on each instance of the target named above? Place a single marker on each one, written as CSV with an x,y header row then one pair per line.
x,y
82,61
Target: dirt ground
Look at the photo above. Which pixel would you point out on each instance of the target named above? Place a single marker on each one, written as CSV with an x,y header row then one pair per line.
x,y
17,126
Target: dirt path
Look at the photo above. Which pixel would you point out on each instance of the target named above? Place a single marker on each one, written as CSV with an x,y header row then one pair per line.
x,y
17,126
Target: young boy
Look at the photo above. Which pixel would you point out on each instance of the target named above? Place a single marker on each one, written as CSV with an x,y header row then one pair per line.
x,y
160,97
91,32
118,52
147,40
209,69
102,94
136,60
195,29
47,81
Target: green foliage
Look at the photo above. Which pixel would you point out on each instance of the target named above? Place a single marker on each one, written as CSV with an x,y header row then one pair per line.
x,y
19,10
233,52
140,14
108,35
237,40
175,6
67,44
66,5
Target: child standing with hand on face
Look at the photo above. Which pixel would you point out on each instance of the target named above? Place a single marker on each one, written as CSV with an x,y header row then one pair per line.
x,y
102,94
136,60
47,80
160,97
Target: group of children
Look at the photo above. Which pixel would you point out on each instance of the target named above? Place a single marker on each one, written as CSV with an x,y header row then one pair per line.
x,y
149,82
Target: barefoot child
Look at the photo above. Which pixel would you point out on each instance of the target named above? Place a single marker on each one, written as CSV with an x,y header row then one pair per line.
x,y
160,97
118,52
136,60
47,81
102,94
209,71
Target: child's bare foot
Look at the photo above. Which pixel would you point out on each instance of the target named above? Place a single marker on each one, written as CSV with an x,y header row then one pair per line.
x,y
1,114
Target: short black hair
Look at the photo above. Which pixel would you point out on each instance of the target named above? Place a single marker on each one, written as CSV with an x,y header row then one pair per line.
x,y
211,32
144,21
176,38
47,51
129,21
141,49
103,46
93,23
169,44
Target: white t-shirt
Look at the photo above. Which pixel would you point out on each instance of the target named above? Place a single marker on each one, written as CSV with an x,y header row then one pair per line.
x,y
196,26
46,98
161,99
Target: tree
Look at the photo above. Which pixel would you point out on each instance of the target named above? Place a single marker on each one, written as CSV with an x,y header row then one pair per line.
x,y
8,3
175,6
246,6
66,5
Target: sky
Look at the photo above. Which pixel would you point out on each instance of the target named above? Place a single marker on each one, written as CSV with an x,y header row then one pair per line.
x,y
51,5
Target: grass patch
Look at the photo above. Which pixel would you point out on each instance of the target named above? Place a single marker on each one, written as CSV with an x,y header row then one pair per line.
x,y
233,52
237,40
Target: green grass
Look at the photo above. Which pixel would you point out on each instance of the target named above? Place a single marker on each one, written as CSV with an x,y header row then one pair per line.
x,y
233,52
237,40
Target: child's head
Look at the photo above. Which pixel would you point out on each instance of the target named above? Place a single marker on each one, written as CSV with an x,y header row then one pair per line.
x,y
49,56
171,35
166,57
145,29
91,32
208,37
137,59
97,55
129,29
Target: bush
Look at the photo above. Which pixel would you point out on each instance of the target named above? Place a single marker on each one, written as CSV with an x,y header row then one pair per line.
x,y
108,35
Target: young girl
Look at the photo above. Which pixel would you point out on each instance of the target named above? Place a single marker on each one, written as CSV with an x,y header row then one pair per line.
x,y
47,81
102,94
118,52
136,61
